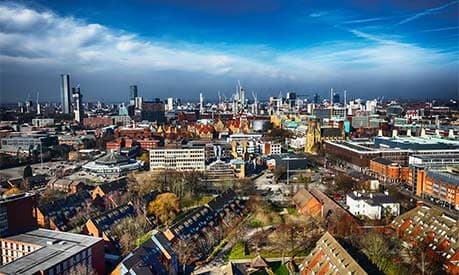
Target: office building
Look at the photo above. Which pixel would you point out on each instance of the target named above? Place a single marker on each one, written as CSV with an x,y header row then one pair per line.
x,y
441,186
419,164
316,99
42,122
132,94
65,94
44,251
357,153
182,159
336,99
153,111
27,144
77,99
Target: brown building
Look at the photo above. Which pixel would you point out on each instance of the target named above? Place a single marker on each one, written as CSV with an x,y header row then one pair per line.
x,y
442,186
107,188
146,143
66,185
306,203
386,169
101,225
56,214
43,251
96,122
17,214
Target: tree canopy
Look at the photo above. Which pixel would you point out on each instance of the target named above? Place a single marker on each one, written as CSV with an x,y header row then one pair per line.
x,y
165,207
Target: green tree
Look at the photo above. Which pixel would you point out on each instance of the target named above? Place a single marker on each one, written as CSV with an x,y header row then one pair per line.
x,y
27,172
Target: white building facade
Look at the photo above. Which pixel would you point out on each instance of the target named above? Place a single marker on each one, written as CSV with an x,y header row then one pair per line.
x,y
181,159
374,206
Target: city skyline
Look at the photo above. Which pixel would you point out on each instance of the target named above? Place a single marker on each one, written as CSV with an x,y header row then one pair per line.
x,y
179,49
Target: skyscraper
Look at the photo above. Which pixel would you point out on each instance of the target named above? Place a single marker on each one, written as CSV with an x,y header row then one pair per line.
x,y
65,94
316,98
132,94
336,99
78,100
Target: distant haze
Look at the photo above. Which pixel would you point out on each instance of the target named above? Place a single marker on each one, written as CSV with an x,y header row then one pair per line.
x,y
179,50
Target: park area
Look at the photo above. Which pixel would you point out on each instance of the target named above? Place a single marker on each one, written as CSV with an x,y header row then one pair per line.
x,y
273,232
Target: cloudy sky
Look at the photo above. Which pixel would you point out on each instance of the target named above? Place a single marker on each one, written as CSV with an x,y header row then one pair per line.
x,y
399,49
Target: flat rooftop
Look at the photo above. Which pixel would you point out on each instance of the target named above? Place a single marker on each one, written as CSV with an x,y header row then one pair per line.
x,y
445,176
438,157
55,247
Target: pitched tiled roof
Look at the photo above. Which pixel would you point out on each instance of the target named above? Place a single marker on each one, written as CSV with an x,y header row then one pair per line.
x,y
302,197
329,256
62,210
106,220
432,226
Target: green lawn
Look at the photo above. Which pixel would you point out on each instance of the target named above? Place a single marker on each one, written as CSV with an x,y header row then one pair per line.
x,y
238,251
279,268
143,239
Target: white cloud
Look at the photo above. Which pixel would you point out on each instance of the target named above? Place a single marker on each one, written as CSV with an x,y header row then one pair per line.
x,y
28,36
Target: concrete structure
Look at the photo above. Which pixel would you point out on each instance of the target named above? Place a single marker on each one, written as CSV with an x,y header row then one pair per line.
x,y
112,164
388,170
25,144
132,94
65,94
43,251
78,100
181,159
42,122
359,152
374,206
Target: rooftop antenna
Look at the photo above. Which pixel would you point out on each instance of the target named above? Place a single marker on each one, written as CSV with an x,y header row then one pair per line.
x,y
331,96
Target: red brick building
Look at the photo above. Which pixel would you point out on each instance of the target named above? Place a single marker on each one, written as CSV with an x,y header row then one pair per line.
x,y
17,214
96,122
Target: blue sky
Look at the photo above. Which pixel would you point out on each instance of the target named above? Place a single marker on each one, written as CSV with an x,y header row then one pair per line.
x,y
399,49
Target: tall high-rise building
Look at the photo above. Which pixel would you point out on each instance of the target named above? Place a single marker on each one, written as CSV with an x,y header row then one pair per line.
x,y
65,94
336,98
132,94
316,98
78,100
